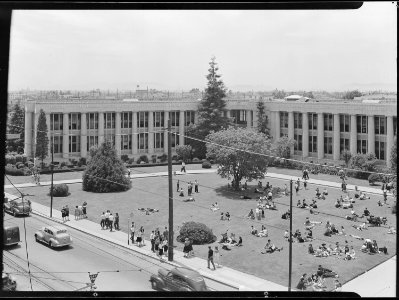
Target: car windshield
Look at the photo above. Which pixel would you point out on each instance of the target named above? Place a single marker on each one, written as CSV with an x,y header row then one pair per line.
x,y
61,231
20,203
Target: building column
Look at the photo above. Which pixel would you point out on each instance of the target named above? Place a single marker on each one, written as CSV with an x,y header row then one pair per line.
x,y
100,128
83,135
353,138
390,140
150,132
228,115
181,128
118,133
134,133
28,145
320,136
291,128
49,150
305,134
336,138
371,134
165,134
195,118
277,125
65,138
249,118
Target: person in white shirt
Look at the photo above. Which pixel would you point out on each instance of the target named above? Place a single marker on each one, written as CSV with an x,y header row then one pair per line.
x,y
110,221
107,219
132,231
183,167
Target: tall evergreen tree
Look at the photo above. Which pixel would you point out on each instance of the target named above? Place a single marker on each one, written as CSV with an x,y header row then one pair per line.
x,y
41,137
17,126
210,111
262,118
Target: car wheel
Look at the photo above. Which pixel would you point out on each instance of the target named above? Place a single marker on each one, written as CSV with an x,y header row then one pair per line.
x,y
50,245
14,213
154,284
36,238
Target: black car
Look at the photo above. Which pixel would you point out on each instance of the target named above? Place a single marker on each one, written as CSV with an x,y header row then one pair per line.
x,y
178,279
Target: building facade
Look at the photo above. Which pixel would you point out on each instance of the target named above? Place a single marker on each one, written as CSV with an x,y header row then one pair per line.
x,y
322,129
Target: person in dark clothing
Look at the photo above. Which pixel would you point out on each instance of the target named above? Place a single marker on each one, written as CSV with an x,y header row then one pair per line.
x,y
210,258
302,283
116,221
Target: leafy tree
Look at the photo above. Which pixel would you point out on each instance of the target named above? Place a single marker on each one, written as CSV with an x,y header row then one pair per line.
x,y
394,167
184,152
41,137
105,171
17,126
309,95
346,156
282,147
210,111
365,162
352,94
262,118
239,164
278,94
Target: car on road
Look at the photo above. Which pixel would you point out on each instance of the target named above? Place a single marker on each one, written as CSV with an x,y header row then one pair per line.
x,y
17,206
11,235
9,283
54,236
178,279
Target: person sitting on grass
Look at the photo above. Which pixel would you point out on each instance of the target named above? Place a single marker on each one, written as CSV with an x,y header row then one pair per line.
x,y
360,227
239,243
309,235
227,216
392,230
313,212
325,193
286,235
258,191
313,204
189,199
309,223
338,250
251,214
271,206
338,203
366,212
326,272
253,230
304,204
379,202
379,250
350,254
299,203
215,207
318,194
181,194
302,283
263,232
310,249
270,248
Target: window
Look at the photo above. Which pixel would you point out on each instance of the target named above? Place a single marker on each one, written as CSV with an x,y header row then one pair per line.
x,y
92,120
361,124
362,146
126,120
56,121
175,140
344,123
380,124
57,144
328,145
328,122
283,119
189,117
159,119
174,118
74,121
142,119
126,142
91,141
298,144
143,141
74,144
239,116
158,140
312,121
297,120
109,120
343,144
380,150
312,143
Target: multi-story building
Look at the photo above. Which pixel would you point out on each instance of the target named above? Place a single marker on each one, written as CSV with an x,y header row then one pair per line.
x,y
322,129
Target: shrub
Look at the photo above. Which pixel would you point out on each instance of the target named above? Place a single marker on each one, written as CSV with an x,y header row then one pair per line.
x,y
10,159
19,165
163,157
143,158
10,170
60,190
174,157
18,158
82,161
196,159
206,165
197,233
63,164
373,178
125,157
131,160
154,158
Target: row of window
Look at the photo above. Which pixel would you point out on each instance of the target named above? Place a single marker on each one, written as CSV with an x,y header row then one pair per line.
x,y
56,120
344,122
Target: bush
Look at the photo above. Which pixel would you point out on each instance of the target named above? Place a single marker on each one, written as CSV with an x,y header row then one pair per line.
x,y
11,170
10,159
163,157
131,160
154,158
174,157
19,165
206,165
197,233
60,190
373,178
195,159
143,158
125,157
18,158
63,164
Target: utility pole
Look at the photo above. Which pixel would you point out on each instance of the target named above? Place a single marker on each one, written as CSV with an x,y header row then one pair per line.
x,y
290,241
170,244
52,176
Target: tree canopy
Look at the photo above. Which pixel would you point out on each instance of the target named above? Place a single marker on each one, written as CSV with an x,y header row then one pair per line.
x,y
239,164
184,152
41,137
352,94
210,111
263,121
278,94
282,147
17,126
105,171
365,162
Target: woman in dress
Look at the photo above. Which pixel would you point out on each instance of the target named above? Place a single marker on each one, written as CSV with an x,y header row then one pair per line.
x,y
216,256
160,251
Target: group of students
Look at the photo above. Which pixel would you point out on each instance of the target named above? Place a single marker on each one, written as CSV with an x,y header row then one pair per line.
x,y
109,221
227,242
159,242
190,185
317,280
338,251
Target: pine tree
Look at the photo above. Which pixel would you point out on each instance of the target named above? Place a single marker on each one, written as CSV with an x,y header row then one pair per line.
x,y
262,118
105,171
41,137
210,111
17,126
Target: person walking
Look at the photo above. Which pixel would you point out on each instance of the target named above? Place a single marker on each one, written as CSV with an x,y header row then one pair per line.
x,y
178,186
128,173
63,213
132,231
110,221
216,255
139,238
84,209
183,167
305,184
196,186
189,189
165,247
152,239
116,221
77,213
107,219
165,233
102,222
67,212
210,258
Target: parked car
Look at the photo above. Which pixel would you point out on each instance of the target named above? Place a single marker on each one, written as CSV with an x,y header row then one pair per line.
x,y
9,283
17,206
178,279
11,235
54,236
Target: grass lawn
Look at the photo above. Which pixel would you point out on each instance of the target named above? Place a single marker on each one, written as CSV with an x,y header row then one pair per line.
x,y
153,193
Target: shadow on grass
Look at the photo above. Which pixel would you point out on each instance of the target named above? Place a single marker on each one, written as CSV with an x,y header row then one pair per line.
x,y
230,193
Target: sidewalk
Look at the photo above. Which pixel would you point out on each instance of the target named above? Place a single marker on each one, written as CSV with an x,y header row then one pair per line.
x,y
365,284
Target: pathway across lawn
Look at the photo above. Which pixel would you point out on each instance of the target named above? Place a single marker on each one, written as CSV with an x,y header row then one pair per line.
x,y
152,192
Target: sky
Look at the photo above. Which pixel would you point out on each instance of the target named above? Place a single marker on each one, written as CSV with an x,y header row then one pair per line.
x,y
259,50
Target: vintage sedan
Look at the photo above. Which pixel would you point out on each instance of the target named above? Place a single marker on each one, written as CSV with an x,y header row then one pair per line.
x,y
178,279
17,206
54,236
9,282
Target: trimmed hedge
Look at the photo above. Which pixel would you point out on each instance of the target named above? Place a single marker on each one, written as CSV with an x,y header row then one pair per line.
x,y
11,170
373,178
197,233
206,165
125,157
142,158
60,190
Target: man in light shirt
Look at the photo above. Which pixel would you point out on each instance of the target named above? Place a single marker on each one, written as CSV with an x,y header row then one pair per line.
x,y
111,221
